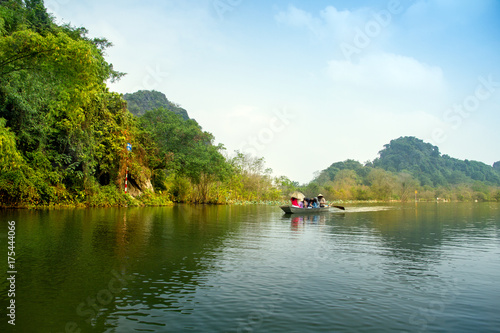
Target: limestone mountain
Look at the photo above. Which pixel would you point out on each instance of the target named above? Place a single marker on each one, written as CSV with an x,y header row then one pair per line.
x,y
144,100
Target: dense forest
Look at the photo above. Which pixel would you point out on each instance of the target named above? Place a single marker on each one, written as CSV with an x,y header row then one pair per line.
x,y
404,166
64,135
67,140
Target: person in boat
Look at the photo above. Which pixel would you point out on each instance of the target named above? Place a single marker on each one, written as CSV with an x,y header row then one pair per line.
x,y
295,202
321,200
315,203
307,203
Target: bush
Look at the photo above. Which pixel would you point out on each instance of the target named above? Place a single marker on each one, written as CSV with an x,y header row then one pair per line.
x,y
109,196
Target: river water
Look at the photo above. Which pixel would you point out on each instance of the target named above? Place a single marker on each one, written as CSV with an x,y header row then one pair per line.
x,y
373,268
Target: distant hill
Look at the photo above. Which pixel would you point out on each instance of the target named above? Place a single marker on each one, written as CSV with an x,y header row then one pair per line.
x,y
145,100
423,161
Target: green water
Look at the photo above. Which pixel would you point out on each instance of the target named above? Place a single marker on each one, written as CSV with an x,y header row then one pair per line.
x,y
426,268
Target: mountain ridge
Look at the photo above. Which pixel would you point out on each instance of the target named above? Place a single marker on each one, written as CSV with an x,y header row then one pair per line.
x,y
407,166
424,162
145,100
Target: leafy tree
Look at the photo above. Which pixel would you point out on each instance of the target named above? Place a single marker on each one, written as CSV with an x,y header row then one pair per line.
x,y
286,185
54,98
15,183
406,185
381,183
497,195
252,181
180,147
330,173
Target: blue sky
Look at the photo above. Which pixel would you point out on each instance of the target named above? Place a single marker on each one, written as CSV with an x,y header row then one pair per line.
x,y
305,84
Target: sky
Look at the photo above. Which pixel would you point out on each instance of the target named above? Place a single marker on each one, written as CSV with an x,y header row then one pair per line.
x,y
305,84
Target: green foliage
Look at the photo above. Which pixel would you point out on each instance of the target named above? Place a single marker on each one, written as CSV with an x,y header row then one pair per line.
x,y
147,100
63,138
68,128
285,185
331,172
381,183
405,185
182,146
151,199
425,162
15,174
63,135
251,181
404,166
496,166
179,147
108,196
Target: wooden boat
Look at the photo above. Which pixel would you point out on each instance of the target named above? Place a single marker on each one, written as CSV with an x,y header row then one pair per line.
x,y
297,210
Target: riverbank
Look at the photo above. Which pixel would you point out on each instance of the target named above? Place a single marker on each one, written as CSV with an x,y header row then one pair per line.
x,y
160,200
101,201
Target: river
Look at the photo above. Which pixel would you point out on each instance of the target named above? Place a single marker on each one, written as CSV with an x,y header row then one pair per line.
x,y
432,267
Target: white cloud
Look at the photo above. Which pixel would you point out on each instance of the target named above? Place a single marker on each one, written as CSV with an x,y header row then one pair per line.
x,y
342,24
330,23
385,80
339,26
296,17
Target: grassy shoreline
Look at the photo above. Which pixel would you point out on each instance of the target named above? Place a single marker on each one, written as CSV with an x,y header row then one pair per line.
x,y
163,201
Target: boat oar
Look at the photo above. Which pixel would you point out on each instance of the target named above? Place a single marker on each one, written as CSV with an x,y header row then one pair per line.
x,y
339,207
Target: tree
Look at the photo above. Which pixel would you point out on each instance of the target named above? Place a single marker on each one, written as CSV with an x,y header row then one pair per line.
x,y
381,183
406,185
15,183
180,147
286,185
251,180
54,99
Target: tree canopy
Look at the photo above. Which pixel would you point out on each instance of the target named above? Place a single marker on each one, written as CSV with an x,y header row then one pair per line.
x,y
54,100
64,135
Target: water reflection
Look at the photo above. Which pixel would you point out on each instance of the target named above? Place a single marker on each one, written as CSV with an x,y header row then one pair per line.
x,y
214,268
312,218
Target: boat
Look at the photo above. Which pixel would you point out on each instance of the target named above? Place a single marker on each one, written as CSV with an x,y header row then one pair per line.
x,y
297,210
